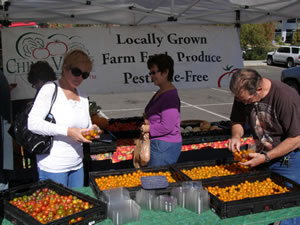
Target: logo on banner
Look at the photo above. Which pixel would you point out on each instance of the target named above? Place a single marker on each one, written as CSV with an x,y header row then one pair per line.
x,y
36,46
229,70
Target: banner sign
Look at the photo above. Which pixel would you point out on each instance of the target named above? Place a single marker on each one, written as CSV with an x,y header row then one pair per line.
x,y
204,56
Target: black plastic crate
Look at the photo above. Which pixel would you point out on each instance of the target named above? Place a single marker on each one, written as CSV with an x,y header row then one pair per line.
x,y
190,165
125,164
204,154
127,133
177,176
222,126
100,147
21,176
102,165
137,119
209,136
256,204
106,143
17,216
205,136
2,196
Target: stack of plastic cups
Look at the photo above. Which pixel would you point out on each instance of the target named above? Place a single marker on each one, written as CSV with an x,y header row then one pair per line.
x,y
115,194
180,193
120,208
192,196
145,198
197,200
123,212
165,203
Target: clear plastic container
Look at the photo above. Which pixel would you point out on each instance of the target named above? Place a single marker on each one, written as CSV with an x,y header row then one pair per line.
x,y
192,184
145,198
192,196
180,194
115,194
165,203
197,200
124,211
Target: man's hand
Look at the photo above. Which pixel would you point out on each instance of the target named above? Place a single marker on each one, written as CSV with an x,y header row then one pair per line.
x,y
256,159
234,143
237,132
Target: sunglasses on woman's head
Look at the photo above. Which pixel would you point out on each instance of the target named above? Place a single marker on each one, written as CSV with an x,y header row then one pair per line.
x,y
77,72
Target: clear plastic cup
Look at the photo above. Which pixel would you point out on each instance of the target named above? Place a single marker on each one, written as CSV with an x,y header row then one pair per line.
x,y
124,211
165,203
197,200
145,198
115,194
192,184
180,194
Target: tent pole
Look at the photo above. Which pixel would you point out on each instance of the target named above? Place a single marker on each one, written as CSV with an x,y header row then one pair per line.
x,y
238,22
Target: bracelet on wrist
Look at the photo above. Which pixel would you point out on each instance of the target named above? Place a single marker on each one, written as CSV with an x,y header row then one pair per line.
x,y
267,159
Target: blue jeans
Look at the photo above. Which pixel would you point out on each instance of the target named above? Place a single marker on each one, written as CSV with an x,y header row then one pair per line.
x,y
164,153
71,179
291,171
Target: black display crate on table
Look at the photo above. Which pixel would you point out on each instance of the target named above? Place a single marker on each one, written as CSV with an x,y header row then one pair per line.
x,y
256,204
203,154
101,145
98,146
205,136
206,153
221,134
210,163
18,217
22,176
177,176
103,165
119,134
1,204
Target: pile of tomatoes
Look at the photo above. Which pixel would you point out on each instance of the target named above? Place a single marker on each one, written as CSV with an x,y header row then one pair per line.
x,y
204,172
45,205
247,189
128,179
242,156
91,134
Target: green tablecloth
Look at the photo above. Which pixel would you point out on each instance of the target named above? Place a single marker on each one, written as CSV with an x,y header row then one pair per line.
x,y
186,217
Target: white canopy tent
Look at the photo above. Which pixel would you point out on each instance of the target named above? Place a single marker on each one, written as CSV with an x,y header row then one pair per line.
x,y
119,53
141,12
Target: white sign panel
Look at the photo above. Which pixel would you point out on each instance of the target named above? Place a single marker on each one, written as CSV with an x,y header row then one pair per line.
x,y
204,56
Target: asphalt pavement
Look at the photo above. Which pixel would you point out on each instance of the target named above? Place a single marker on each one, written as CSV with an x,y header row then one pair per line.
x,y
211,104
255,63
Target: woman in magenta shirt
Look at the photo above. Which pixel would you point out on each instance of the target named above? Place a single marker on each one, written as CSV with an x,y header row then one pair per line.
x,y
163,113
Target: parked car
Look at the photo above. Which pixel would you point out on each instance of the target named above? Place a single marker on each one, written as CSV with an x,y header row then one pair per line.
x,y
288,55
291,77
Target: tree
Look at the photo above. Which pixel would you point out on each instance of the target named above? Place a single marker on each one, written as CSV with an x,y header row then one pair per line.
x,y
258,38
296,36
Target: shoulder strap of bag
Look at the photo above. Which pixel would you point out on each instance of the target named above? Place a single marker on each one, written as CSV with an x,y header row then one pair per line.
x,y
53,97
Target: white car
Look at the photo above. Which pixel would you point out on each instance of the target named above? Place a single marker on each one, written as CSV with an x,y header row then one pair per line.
x,y
291,77
288,55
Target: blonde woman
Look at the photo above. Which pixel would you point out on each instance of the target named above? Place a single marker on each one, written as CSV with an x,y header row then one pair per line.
x,y
64,163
